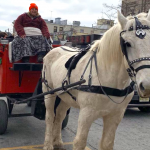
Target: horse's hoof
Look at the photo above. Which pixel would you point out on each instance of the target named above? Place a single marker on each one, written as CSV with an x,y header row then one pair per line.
x,y
48,148
58,144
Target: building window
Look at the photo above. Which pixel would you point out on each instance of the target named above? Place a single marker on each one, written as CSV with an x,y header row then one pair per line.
x,y
81,30
55,28
60,29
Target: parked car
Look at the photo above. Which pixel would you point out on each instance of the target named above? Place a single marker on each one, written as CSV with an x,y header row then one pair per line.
x,y
143,104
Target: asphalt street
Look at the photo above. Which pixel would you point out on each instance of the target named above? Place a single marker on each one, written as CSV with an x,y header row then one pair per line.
x,y
133,132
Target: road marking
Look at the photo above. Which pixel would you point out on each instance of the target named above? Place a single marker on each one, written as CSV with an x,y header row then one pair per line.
x,y
36,147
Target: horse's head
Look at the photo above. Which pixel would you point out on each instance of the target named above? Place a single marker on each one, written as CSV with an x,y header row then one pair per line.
x,y
135,44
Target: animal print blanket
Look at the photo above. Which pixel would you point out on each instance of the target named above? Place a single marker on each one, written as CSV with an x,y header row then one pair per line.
x,y
29,46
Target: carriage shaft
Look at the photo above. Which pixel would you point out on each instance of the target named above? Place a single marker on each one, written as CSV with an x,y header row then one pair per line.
x,y
52,91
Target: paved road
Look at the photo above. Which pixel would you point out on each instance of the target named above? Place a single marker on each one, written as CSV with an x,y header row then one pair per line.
x,y
133,132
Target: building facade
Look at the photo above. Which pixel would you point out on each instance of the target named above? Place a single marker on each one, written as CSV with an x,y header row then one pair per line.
x,y
60,30
133,7
105,22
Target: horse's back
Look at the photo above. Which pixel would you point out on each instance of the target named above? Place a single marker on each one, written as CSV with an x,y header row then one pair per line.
x,y
57,52
55,62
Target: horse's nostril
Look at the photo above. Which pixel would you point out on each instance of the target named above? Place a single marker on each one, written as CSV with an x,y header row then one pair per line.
x,y
142,87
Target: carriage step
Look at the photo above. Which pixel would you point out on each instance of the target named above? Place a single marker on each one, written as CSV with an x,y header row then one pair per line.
x,y
26,67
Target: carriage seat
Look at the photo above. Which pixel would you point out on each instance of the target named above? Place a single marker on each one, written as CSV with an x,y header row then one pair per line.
x,y
29,31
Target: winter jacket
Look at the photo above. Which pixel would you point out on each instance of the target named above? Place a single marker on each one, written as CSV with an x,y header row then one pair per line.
x,y
25,20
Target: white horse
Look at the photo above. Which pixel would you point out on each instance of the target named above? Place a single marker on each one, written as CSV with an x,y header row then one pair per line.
x,y
111,72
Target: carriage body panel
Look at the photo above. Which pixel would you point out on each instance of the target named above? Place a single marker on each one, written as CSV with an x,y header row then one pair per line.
x,y
19,81
9,79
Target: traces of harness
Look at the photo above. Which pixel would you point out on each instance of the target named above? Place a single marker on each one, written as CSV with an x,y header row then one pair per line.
x,y
46,83
81,53
91,89
128,90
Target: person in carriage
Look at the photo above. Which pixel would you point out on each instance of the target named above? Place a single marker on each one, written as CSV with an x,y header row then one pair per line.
x,y
31,36
3,35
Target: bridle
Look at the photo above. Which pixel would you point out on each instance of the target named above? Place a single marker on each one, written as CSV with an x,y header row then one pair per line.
x,y
140,33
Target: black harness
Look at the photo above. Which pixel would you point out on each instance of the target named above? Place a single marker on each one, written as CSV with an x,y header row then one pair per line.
x,y
98,89
140,33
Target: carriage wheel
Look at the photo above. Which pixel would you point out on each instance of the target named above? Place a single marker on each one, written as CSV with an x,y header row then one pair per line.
x,y
3,116
65,121
144,109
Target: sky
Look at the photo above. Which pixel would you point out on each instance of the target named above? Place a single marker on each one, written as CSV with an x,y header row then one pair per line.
x,y
85,11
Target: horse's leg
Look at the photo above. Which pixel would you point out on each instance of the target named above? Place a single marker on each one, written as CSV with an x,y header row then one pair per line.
x,y
60,115
110,124
49,103
86,117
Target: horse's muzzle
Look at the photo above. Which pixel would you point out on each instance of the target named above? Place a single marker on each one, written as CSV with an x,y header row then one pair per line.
x,y
144,90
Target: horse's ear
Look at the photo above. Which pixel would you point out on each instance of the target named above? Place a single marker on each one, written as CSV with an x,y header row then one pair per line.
x,y
122,19
148,17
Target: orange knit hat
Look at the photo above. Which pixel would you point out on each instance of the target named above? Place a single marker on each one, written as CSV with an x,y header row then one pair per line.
x,y
33,5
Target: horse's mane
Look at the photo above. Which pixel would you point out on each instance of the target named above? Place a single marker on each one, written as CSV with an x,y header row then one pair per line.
x,y
108,46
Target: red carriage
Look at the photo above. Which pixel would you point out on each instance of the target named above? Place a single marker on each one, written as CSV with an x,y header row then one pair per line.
x,y
20,81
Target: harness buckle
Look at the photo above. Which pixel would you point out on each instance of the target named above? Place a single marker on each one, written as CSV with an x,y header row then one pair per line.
x,y
90,80
64,83
90,76
81,77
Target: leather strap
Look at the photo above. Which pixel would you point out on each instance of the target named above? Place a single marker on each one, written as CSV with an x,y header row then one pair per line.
x,y
142,67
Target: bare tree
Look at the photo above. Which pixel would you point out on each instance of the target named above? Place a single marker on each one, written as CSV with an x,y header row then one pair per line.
x,y
112,7
111,10
127,8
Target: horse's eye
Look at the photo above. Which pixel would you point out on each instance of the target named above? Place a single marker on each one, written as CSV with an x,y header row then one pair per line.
x,y
128,44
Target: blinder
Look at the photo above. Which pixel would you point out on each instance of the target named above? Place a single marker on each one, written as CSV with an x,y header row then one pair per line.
x,y
140,33
123,46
